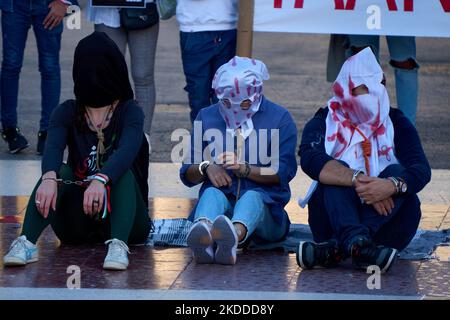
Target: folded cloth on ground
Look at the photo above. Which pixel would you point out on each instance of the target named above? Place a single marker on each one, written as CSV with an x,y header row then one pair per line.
x,y
173,233
169,233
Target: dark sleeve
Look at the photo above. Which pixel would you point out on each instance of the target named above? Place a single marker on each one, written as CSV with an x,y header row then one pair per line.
x,y
129,143
410,154
57,132
287,144
312,147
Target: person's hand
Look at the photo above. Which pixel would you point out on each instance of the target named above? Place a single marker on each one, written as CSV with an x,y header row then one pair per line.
x,y
218,176
373,189
46,195
56,14
93,198
384,207
229,161
358,183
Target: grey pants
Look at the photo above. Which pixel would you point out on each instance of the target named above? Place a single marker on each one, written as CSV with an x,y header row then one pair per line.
x,y
142,46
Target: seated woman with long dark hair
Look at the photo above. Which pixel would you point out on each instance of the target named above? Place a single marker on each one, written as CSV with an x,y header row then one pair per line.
x,y
100,194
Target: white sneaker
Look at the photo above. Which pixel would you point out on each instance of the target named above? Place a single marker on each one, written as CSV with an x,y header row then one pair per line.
x,y
201,243
117,257
224,234
20,253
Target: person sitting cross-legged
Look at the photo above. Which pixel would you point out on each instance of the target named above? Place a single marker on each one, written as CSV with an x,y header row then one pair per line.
x,y
101,193
369,165
242,196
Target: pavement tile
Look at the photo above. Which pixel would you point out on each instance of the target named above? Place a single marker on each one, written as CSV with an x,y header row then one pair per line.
x,y
254,271
173,268
400,280
433,278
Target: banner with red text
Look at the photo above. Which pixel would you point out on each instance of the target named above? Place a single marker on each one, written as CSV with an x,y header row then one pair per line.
x,y
430,18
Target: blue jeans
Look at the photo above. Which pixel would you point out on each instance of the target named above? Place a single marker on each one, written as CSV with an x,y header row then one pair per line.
x,y
15,27
337,213
202,53
249,210
406,80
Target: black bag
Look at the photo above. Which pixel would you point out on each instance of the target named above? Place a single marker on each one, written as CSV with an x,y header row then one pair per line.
x,y
139,18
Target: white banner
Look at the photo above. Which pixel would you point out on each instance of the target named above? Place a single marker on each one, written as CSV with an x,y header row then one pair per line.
x,y
429,18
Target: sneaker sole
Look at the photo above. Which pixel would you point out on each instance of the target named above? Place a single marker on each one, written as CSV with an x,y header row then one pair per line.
x,y
390,261
18,149
111,265
226,240
11,262
198,240
300,255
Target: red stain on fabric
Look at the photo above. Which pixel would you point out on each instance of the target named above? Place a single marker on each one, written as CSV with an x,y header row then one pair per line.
x,y
236,85
338,90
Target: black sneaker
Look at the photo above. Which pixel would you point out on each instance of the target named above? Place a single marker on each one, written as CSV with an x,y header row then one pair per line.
x,y
16,141
365,253
325,254
42,136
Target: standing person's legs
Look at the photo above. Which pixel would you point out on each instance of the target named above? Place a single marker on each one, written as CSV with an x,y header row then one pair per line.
x,y
359,42
49,45
15,27
142,44
197,51
225,51
118,35
403,59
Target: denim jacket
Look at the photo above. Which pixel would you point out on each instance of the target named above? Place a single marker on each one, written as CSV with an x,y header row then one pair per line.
x,y
7,5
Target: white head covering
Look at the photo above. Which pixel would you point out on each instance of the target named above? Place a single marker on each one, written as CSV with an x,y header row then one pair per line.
x,y
358,128
238,80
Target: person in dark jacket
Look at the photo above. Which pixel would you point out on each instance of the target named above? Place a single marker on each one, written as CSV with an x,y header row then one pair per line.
x,y
101,193
368,165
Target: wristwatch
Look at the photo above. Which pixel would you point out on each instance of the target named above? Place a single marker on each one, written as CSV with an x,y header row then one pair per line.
x,y
203,166
403,186
400,185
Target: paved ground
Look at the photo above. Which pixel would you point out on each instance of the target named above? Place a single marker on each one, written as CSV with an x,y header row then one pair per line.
x,y
171,273
173,269
297,66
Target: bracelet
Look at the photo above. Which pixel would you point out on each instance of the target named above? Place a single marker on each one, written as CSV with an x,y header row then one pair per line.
x,y
396,184
97,177
203,166
246,172
356,173
104,176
